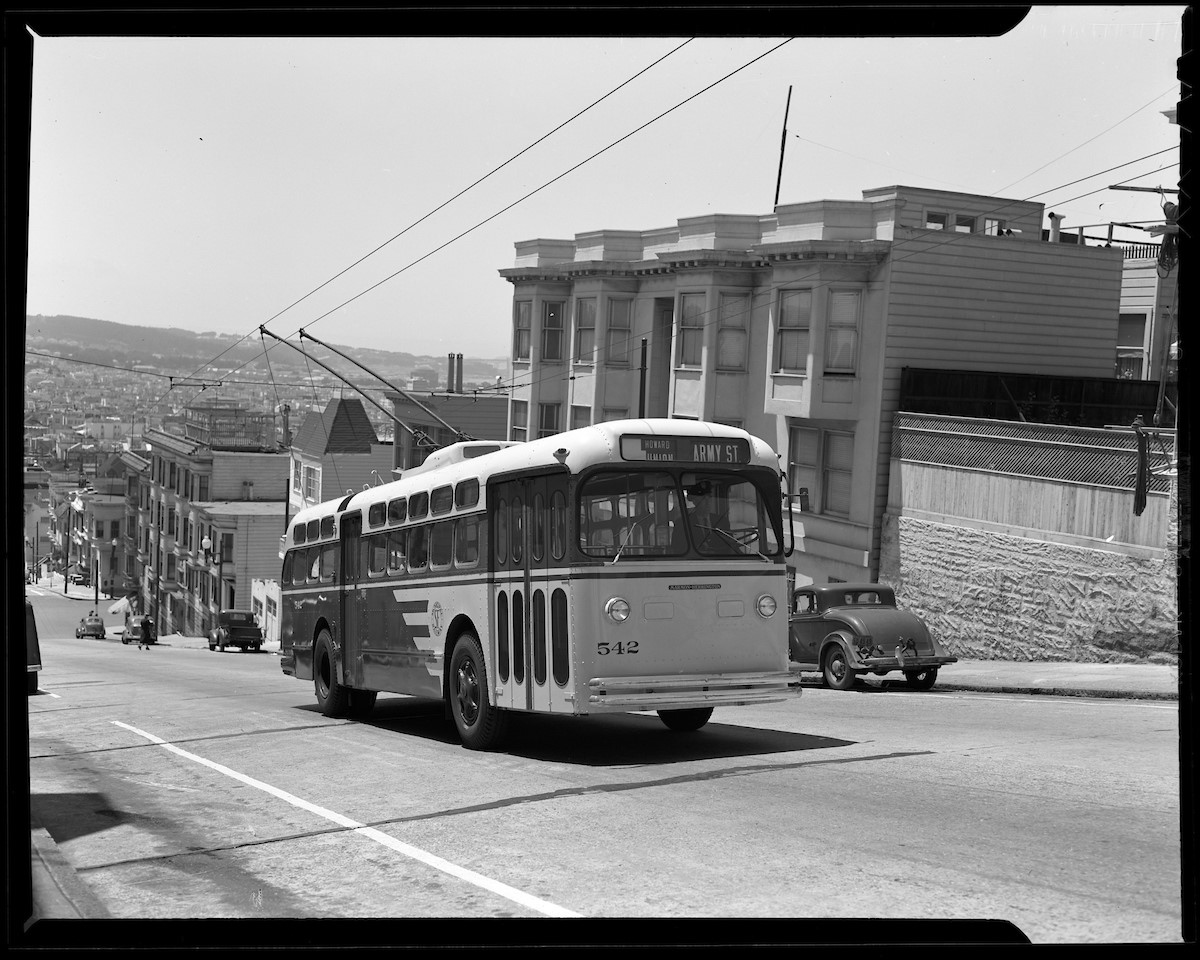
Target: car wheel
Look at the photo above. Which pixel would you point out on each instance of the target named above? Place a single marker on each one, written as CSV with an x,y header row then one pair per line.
x,y
124,639
362,702
921,679
480,724
332,697
837,672
212,647
685,720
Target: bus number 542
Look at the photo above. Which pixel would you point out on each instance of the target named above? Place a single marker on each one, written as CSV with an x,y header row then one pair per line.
x,y
604,648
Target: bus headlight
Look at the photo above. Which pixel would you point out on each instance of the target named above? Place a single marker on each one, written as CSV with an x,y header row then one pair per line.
x,y
617,610
766,606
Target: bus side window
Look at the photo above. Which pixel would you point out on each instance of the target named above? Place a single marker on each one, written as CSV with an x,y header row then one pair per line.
x,y
466,542
314,564
378,555
395,550
418,548
441,544
328,562
289,559
558,525
501,531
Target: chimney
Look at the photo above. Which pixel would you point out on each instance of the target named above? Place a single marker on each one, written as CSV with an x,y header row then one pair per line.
x,y
1055,220
449,373
458,388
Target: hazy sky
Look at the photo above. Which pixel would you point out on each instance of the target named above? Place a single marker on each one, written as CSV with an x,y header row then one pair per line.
x,y
211,183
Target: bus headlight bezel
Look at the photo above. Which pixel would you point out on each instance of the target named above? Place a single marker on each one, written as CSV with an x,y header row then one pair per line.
x,y
617,609
766,606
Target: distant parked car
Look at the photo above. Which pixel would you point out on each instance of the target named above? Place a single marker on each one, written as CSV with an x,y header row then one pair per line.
x,y
33,650
235,628
845,630
141,629
91,626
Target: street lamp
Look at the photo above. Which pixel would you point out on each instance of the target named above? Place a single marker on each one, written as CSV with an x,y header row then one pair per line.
x,y
112,567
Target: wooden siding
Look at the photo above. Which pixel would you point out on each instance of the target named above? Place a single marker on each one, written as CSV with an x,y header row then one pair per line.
x,y
267,471
971,302
256,552
1075,511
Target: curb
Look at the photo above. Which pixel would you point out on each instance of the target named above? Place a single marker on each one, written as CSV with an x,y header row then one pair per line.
x,y
58,892
1101,694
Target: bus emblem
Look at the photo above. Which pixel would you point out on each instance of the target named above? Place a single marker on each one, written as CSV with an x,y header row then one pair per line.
x,y
435,619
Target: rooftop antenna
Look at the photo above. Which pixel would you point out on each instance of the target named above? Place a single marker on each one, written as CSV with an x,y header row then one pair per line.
x,y
783,144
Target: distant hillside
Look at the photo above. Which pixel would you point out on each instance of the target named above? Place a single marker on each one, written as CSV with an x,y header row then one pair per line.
x,y
173,350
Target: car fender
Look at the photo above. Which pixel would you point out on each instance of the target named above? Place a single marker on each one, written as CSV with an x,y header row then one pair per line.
x,y
846,642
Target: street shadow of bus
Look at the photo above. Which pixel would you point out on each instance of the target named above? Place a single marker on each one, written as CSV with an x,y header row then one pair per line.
x,y
616,739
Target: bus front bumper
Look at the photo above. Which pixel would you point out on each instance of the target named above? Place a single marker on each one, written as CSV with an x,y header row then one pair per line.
x,y
691,690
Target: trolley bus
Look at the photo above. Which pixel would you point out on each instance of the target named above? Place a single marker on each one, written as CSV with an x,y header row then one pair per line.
x,y
632,565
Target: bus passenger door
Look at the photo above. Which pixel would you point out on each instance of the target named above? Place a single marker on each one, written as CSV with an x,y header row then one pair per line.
x,y
351,601
529,595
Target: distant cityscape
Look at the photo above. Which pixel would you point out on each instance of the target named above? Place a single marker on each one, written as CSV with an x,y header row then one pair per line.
x,y
93,388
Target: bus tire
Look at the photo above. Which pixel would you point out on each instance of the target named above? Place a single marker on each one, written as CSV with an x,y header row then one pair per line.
x,y
481,725
362,702
685,720
332,697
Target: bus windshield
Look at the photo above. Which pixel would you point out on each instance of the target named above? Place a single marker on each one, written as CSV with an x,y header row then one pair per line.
x,y
662,513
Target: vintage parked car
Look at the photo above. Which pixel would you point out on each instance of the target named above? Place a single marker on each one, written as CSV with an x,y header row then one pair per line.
x,y
33,651
141,629
235,628
91,626
848,629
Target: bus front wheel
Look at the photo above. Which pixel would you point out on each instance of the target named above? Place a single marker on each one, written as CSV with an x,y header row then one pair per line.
x,y
332,697
480,723
684,720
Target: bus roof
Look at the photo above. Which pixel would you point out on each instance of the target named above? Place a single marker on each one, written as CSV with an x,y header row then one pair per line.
x,y
645,440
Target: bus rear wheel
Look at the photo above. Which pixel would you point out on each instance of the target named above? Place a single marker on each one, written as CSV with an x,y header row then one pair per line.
x,y
684,720
332,698
481,725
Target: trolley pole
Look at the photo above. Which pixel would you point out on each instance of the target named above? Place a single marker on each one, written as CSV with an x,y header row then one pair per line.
x,y
642,388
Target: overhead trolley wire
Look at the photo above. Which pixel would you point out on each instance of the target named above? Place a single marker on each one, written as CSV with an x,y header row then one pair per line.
x,y
456,196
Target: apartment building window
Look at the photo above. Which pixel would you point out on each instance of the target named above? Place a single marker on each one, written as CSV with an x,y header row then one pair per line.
x,y
620,334
936,220
580,417
296,475
993,227
548,419
171,566
172,474
522,328
187,484
226,548
312,484
841,335
691,329
963,223
202,488
552,331
99,529
170,523
733,318
1131,354
585,330
820,463
520,420
791,338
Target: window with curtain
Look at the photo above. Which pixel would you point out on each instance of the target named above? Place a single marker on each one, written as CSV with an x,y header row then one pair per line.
x,y
841,334
791,337
520,420
522,328
547,419
552,331
734,317
691,329
816,454
585,330
619,337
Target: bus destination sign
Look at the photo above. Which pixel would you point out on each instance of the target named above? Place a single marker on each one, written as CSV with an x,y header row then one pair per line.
x,y
715,450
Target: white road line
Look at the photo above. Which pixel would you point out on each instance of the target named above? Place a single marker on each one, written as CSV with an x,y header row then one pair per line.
x,y
487,883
